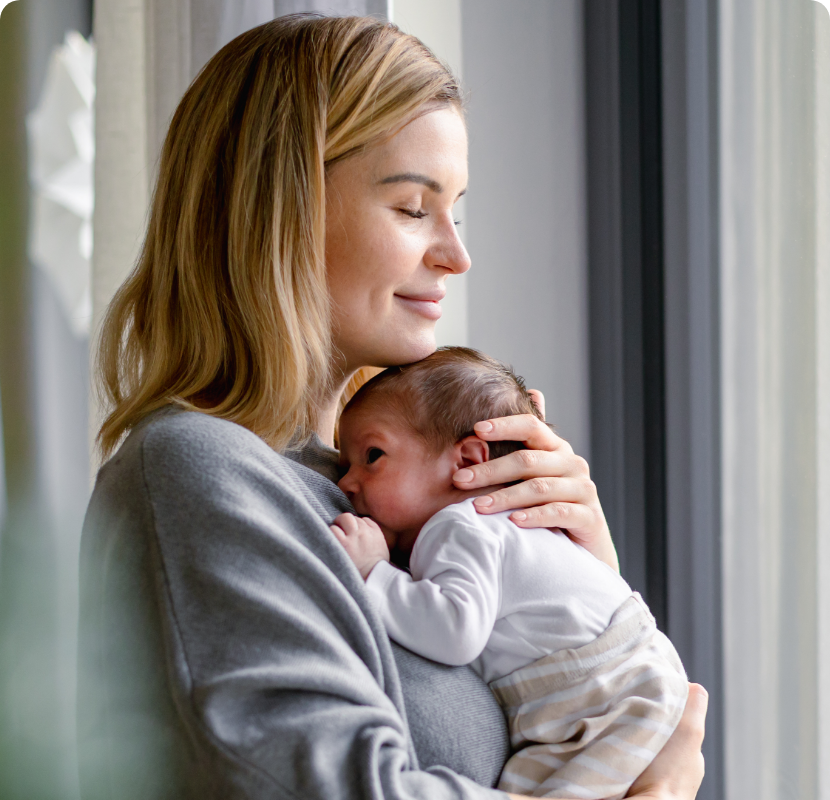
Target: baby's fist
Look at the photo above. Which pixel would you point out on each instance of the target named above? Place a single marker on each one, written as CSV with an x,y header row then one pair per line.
x,y
363,540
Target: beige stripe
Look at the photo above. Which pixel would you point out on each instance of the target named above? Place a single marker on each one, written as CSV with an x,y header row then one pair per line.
x,y
589,726
642,666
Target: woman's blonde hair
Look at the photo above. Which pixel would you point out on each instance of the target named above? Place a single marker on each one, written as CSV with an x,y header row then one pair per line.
x,y
227,309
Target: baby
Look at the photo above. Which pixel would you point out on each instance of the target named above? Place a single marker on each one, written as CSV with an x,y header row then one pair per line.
x,y
592,690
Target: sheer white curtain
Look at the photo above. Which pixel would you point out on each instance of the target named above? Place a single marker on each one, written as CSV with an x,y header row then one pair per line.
x,y
775,305
43,361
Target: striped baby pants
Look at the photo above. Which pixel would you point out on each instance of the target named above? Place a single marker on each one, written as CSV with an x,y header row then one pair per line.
x,y
586,722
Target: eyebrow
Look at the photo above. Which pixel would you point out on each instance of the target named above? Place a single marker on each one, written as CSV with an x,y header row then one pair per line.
x,y
416,177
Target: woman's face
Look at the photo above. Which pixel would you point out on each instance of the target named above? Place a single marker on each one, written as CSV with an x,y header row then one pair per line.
x,y
391,240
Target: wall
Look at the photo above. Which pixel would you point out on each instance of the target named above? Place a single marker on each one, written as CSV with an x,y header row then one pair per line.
x,y
525,298
438,24
525,215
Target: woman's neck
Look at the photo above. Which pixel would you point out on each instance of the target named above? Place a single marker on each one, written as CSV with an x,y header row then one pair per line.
x,y
329,409
327,421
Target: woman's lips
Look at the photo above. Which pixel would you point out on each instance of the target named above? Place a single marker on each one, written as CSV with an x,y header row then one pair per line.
x,y
425,306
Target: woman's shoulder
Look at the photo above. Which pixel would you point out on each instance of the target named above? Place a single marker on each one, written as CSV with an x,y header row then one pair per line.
x,y
194,455
172,438
204,496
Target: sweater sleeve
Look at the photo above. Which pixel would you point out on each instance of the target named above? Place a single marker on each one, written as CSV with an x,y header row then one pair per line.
x,y
279,679
446,609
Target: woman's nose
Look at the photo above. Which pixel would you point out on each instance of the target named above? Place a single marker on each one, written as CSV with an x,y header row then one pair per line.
x,y
448,250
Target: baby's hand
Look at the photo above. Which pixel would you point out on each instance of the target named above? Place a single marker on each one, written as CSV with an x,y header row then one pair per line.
x,y
363,540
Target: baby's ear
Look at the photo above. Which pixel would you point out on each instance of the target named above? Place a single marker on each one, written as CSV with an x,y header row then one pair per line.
x,y
472,450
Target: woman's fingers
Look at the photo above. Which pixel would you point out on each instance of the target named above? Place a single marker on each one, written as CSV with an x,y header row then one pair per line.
x,y
556,489
692,727
526,428
536,492
568,516
677,771
522,465
694,717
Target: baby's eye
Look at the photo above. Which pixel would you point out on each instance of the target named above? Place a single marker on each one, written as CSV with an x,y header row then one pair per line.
x,y
373,454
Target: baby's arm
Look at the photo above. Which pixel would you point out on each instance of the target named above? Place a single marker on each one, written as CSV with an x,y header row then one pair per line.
x,y
447,608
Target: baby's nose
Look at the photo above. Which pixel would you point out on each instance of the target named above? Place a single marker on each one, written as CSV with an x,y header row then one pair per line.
x,y
348,484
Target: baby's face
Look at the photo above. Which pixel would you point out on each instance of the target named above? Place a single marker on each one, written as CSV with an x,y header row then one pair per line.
x,y
391,475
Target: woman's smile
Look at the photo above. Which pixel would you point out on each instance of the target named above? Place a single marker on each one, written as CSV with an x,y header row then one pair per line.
x,y
427,304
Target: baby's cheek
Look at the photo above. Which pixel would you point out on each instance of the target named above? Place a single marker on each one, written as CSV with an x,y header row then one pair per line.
x,y
391,512
386,513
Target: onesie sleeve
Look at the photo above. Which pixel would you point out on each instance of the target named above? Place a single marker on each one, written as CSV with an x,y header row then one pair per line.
x,y
445,610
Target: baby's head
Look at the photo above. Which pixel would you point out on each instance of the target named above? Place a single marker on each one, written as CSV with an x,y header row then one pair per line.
x,y
409,429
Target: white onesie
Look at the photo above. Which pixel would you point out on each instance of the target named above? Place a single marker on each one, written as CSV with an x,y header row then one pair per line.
x,y
485,591
592,690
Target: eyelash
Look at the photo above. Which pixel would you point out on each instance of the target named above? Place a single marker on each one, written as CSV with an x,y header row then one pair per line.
x,y
422,214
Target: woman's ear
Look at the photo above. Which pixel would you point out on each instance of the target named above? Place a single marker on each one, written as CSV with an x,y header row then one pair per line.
x,y
471,450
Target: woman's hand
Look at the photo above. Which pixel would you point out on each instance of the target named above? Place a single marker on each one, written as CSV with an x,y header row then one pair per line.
x,y
677,771
363,541
556,489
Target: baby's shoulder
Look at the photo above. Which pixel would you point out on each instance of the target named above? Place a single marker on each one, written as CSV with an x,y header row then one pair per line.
x,y
462,520
465,516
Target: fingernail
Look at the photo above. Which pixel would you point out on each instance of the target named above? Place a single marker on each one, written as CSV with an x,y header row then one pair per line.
x,y
483,502
519,516
483,427
464,476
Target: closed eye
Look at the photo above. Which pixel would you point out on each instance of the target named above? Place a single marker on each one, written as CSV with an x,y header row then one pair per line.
x,y
373,454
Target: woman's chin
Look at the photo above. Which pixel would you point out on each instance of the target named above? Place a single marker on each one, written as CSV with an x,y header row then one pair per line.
x,y
413,351
398,349
390,346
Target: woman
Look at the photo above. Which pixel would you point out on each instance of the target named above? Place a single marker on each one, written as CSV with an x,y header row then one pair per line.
x,y
301,229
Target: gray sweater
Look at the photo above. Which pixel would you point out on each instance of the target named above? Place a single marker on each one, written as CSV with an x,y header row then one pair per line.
x,y
228,648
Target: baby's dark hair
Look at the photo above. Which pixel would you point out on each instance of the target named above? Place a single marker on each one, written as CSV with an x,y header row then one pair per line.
x,y
445,394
